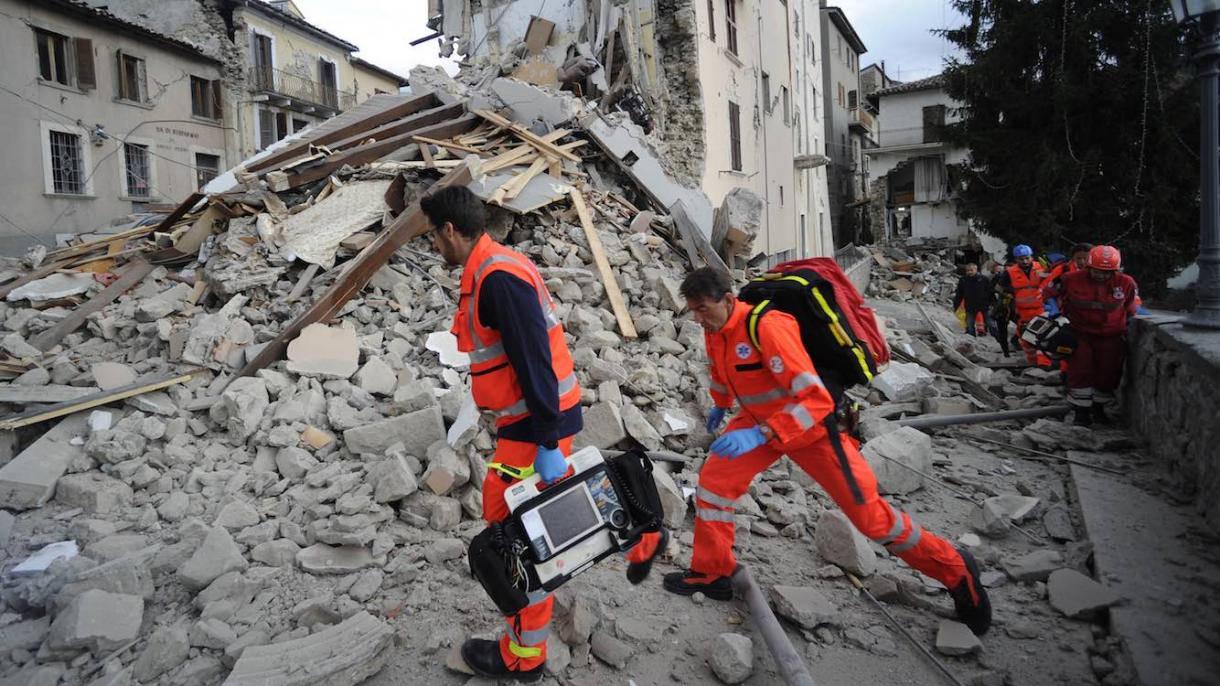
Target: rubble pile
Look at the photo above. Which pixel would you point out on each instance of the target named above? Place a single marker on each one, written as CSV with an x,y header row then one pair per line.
x,y
925,270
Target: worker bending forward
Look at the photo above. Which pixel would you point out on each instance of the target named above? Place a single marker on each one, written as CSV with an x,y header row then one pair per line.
x,y
785,410
521,371
1098,300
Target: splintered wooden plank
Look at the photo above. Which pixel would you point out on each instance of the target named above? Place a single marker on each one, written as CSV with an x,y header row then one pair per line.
x,y
425,151
508,159
406,109
137,269
95,400
625,325
527,135
513,188
446,144
411,223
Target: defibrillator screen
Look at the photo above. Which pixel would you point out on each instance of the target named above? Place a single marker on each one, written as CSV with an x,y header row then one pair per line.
x,y
569,516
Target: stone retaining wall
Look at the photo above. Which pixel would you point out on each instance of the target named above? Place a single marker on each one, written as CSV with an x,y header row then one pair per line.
x,y
1172,400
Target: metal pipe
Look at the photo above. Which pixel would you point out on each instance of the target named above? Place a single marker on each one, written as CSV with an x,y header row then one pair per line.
x,y
791,667
932,421
1207,308
1045,455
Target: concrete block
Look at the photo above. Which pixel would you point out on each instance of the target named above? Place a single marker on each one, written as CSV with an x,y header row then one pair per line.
x,y
894,455
392,480
611,650
443,550
803,605
416,431
955,638
603,426
672,501
342,655
731,657
97,621
446,470
29,480
27,635
903,381
245,402
93,492
1076,595
167,648
446,513
839,543
1035,566
215,556
342,559
328,352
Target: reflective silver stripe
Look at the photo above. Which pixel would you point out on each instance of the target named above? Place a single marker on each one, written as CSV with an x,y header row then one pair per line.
x,y
474,291
1082,397
804,380
717,387
911,542
801,414
710,515
548,316
566,384
895,531
544,297
530,638
773,394
1102,396
491,352
536,596
709,497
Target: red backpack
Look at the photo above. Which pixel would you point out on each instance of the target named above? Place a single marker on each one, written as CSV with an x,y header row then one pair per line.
x,y
839,331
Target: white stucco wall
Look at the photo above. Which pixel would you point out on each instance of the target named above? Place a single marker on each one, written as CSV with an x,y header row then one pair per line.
x,y
901,119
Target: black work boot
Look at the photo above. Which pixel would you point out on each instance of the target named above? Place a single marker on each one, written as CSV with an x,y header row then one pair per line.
x,y
1099,414
970,598
692,582
483,656
638,571
1084,417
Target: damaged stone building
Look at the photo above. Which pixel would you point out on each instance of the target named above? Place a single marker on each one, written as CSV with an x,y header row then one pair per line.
x,y
728,88
282,74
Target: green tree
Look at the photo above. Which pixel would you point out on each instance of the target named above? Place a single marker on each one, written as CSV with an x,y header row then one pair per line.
x,y
1082,124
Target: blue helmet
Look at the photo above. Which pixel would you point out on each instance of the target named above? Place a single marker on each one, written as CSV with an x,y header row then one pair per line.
x,y
1022,251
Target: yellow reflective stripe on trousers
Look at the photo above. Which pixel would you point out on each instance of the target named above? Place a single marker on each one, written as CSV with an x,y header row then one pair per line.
x,y
523,651
514,472
709,497
709,515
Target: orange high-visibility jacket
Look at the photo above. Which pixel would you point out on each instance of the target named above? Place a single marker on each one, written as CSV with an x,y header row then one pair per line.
x,y
1027,290
777,385
493,380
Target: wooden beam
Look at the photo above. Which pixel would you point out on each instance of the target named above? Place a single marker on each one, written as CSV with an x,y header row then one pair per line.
x,y
514,187
428,117
425,151
613,293
411,223
376,150
95,400
447,144
527,135
519,153
137,269
302,283
192,239
406,109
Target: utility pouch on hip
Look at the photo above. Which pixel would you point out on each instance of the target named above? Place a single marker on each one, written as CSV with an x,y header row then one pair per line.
x,y
496,564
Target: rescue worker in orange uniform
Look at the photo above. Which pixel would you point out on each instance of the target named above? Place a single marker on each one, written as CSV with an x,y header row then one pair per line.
x,y
786,410
1024,281
521,371
1098,300
1050,305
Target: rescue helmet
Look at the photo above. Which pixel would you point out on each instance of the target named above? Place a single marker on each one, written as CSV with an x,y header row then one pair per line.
x,y
1022,251
1105,258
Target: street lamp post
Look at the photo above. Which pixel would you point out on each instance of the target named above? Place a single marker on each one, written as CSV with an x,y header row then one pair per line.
x,y
1207,12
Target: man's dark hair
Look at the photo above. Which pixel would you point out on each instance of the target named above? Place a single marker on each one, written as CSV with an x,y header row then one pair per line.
x,y
458,206
705,284
972,264
1081,247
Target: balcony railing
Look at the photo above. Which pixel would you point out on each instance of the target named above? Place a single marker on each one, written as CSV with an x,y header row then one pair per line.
x,y
305,91
861,117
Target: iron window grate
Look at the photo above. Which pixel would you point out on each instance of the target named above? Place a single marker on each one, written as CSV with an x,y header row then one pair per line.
x,y
136,157
67,174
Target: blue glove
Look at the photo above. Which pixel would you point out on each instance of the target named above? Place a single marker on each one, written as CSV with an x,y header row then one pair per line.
x,y
737,443
714,418
550,465
1051,307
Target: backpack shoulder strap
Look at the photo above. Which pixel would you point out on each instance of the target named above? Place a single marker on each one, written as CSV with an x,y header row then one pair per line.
x,y
753,319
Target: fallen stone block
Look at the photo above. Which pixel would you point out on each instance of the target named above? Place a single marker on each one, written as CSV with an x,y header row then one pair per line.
x,y
320,558
903,381
1035,566
947,406
416,431
893,457
128,575
212,633
603,427
29,480
445,514
990,520
443,550
731,657
1016,507
27,635
328,352
955,638
1076,595
93,492
115,446
839,543
672,501
216,555
97,621
167,648
392,480
116,546
245,401
344,654
376,377
278,553
446,470
803,605
37,675
237,515
611,650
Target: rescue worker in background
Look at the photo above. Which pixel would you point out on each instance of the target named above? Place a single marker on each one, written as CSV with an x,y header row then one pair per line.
x,y
1098,300
785,410
1024,281
1001,310
521,371
1079,260
973,294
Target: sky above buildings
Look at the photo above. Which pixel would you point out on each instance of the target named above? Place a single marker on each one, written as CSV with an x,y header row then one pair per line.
x,y
897,31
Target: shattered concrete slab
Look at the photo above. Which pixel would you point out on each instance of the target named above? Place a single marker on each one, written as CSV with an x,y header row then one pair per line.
x,y
328,352
98,621
898,458
346,653
29,480
1076,595
314,234
53,287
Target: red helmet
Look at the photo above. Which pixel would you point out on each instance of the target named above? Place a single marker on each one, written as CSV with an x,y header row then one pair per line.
x,y
1106,258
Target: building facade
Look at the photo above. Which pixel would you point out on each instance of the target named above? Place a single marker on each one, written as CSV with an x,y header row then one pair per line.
x,y
848,124
914,192
813,217
101,118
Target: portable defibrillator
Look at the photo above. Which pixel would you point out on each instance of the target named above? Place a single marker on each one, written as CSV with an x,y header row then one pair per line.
x,y
557,531
1050,335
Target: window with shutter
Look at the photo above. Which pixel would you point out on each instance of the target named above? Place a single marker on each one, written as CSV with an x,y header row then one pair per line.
x,y
852,100
711,20
766,92
735,134
52,56
86,75
730,20
266,128
933,123
131,79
